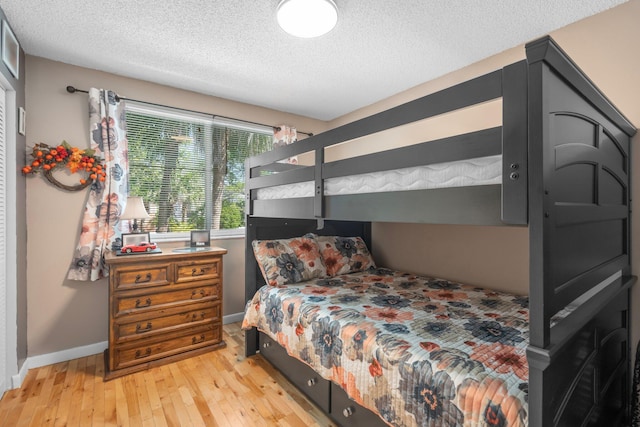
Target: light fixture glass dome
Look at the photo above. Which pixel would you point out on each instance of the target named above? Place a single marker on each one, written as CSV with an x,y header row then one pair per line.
x,y
307,18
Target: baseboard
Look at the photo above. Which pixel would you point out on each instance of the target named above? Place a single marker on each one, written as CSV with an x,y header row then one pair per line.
x,y
56,357
232,318
77,352
18,379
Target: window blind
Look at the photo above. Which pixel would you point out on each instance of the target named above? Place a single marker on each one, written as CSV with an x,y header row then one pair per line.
x,y
189,167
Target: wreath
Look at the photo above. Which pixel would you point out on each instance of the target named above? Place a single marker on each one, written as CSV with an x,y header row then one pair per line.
x,y
46,159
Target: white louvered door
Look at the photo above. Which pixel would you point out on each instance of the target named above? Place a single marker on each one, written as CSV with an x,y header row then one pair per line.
x,y
3,244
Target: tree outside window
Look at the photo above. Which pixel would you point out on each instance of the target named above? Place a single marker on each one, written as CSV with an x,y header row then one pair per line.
x,y
189,170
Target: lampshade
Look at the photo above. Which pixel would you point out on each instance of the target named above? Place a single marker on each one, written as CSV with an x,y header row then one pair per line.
x,y
134,209
307,18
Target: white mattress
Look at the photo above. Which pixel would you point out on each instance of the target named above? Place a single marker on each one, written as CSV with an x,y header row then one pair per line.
x,y
464,173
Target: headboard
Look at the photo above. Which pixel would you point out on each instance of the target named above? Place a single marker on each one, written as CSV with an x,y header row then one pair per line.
x,y
278,228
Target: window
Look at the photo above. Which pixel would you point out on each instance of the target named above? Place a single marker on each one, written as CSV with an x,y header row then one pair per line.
x,y
189,167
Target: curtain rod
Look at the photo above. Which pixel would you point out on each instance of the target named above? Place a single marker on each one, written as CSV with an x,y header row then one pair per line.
x,y
72,89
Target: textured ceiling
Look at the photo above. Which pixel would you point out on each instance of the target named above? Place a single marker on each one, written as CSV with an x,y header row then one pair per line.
x,y
234,49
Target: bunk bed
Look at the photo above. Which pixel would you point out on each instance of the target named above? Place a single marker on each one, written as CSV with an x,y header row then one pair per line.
x,y
563,172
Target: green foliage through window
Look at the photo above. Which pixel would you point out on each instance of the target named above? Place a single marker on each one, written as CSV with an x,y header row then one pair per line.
x,y
189,170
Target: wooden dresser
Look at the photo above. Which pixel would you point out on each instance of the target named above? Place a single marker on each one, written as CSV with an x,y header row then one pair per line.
x,y
162,308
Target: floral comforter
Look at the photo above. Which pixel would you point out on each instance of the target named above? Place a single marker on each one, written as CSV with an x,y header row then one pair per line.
x,y
415,350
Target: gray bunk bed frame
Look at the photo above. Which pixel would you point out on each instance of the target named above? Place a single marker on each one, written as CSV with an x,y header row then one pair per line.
x,y
566,175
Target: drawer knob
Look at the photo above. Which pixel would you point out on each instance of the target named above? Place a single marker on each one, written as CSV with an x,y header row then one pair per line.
x,y
266,345
195,294
195,317
195,272
140,355
140,304
311,382
146,278
348,411
140,329
196,340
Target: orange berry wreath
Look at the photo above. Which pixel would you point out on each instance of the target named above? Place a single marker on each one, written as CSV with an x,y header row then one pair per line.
x,y
46,159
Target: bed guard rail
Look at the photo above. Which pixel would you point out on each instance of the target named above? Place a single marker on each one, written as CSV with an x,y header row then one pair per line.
x,y
510,140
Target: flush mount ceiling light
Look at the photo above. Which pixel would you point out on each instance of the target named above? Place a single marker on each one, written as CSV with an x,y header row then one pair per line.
x,y
307,18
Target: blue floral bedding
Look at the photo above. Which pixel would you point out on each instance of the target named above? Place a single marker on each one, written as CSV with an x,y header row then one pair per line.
x,y
417,351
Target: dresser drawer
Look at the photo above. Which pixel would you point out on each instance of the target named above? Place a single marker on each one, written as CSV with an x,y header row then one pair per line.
x,y
163,307
189,271
151,275
124,305
167,320
164,346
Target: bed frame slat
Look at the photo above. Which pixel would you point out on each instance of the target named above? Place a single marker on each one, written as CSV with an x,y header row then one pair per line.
x,y
300,208
482,143
479,205
289,177
472,92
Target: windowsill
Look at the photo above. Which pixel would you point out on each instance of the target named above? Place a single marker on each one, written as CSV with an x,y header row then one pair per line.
x,y
186,236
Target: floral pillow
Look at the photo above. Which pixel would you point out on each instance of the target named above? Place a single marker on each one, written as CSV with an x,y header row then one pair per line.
x,y
342,255
289,260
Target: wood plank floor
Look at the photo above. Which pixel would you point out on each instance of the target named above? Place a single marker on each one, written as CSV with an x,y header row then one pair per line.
x,y
220,388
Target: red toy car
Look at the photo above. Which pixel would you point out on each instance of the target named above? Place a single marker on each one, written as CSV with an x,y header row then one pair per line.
x,y
140,247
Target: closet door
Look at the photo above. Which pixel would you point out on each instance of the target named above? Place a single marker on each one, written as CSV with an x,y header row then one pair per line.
x,y
3,245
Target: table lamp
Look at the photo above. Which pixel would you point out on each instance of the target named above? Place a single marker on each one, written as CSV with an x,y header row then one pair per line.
x,y
134,210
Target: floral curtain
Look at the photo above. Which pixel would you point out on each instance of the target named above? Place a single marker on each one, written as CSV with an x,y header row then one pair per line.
x,y
107,131
283,135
